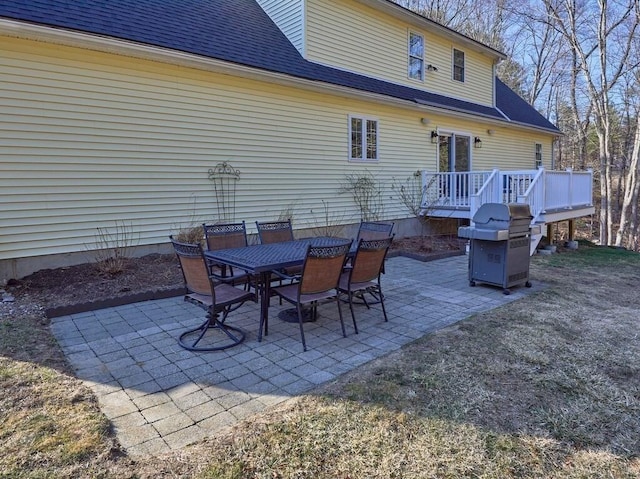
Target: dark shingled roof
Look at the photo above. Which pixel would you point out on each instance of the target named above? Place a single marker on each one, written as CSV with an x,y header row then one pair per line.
x,y
237,31
517,109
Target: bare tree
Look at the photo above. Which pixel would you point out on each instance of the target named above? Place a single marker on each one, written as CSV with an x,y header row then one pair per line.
x,y
629,210
601,68
540,49
628,214
451,13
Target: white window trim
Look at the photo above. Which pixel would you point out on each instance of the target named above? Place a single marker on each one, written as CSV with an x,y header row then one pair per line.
x,y
535,155
409,56
364,158
453,65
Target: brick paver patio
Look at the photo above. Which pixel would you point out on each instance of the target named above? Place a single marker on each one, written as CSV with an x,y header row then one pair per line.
x,y
161,397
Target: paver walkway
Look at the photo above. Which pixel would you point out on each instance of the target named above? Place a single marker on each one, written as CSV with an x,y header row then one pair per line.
x,y
160,396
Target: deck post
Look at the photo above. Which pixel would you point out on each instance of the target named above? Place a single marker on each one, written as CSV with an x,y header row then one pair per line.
x,y
497,190
572,229
543,190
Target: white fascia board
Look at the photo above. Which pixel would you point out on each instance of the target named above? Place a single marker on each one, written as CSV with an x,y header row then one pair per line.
x,y
116,46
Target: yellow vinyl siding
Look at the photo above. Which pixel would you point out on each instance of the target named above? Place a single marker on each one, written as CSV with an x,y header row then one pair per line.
x,y
506,148
513,150
88,142
352,36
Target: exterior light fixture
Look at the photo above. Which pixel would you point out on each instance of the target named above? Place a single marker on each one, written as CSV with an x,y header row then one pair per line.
x,y
432,68
491,132
477,142
434,136
425,121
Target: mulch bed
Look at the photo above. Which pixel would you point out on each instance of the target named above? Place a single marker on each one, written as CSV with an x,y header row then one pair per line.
x,y
428,248
85,287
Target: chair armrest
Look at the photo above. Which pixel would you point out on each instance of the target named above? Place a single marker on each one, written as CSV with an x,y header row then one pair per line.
x,y
221,279
284,276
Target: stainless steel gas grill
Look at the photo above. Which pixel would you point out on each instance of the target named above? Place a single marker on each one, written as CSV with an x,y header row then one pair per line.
x,y
500,242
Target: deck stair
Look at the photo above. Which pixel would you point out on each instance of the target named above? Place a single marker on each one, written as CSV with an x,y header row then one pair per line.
x,y
536,236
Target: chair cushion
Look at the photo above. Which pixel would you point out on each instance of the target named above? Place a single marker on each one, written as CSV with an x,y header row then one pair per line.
x,y
203,300
290,293
344,284
226,294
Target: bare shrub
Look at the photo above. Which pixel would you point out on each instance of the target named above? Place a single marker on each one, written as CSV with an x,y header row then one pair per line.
x,y
327,223
113,247
366,192
190,234
191,231
412,195
286,213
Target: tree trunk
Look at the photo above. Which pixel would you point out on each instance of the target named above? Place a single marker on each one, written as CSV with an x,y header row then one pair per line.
x,y
604,192
628,222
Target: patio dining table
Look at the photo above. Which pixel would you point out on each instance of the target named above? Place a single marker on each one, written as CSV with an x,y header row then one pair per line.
x,y
261,259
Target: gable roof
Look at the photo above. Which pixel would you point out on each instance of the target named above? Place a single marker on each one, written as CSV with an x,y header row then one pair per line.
x,y
240,32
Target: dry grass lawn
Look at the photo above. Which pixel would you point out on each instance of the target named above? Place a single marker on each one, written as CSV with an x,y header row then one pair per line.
x,y
545,387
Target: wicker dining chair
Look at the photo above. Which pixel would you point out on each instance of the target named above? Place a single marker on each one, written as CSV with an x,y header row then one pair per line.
x,y
319,281
278,232
370,230
217,298
225,236
274,231
363,275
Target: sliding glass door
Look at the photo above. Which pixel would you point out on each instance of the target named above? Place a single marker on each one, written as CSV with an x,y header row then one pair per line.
x,y
454,156
454,153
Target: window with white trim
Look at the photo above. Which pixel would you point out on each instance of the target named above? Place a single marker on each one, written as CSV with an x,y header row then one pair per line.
x,y
416,56
538,155
458,65
363,139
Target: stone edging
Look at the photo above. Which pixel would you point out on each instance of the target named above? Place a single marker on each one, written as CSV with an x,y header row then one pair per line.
x,y
58,311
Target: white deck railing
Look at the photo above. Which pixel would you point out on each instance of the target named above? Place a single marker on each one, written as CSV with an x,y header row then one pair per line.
x,y
453,190
542,190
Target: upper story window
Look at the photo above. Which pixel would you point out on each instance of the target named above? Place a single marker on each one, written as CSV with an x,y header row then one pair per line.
x,y
458,65
363,139
416,56
538,155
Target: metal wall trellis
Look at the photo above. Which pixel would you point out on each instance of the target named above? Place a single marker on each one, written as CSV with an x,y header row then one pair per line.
x,y
225,179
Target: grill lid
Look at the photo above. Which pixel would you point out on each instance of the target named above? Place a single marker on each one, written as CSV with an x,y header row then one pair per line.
x,y
500,216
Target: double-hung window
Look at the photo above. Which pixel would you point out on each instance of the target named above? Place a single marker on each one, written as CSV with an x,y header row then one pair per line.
x,y
458,65
538,155
363,139
416,56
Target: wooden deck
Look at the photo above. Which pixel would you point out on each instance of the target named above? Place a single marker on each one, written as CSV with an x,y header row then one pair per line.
x,y
551,195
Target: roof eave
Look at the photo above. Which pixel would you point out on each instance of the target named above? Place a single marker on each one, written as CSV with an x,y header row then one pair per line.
x,y
530,127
